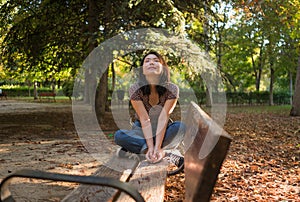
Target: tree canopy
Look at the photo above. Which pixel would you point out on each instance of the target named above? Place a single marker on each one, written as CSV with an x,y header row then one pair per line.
x,y
255,44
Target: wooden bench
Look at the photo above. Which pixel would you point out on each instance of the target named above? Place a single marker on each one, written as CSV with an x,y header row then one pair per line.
x,y
206,145
148,179
47,95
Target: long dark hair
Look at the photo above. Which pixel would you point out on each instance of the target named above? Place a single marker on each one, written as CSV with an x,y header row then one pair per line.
x,y
164,77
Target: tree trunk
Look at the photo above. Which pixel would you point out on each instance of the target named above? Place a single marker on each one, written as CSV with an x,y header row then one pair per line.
x,y
291,88
113,72
207,48
90,76
208,97
258,69
258,73
271,100
35,94
101,101
101,97
295,111
89,87
53,86
29,85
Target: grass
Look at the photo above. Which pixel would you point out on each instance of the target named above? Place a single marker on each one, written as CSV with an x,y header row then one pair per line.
x,y
58,99
277,109
253,109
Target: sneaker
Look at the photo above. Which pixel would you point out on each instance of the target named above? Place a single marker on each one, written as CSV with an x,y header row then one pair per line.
x,y
124,153
175,159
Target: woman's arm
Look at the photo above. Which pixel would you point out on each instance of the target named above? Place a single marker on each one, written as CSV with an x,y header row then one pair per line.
x,y
145,122
163,122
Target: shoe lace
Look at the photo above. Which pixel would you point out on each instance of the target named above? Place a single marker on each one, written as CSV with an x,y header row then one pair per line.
x,y
173,158
134,156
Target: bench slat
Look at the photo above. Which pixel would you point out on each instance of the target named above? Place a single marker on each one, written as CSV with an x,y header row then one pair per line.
x,y
149,179
118,168
206,148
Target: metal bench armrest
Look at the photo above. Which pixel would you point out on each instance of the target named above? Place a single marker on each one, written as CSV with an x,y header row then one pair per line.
x,y
92,180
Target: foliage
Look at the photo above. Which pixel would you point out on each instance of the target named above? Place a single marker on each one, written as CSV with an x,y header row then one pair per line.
x,y
24,91
40,37
67,88
262,40
64,37
48,40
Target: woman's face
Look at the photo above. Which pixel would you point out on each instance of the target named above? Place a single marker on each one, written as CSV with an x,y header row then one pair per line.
x,y
152,65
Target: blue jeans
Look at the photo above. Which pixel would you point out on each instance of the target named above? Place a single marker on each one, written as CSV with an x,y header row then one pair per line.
x,y
133,140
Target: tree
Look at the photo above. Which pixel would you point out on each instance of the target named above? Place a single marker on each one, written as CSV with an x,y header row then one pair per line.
x,y
295,111
207,29
274,30
51,36
291,14
264,40
41,38
126,16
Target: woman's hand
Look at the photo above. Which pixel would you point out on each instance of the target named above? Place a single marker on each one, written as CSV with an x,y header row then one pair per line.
x,y
149,155
155,155
159,154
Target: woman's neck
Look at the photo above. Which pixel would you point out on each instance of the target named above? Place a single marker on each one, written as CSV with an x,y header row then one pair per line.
x,y
153,88
153,80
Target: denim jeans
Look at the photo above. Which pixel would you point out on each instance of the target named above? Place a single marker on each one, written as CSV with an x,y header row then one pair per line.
x,y
133,140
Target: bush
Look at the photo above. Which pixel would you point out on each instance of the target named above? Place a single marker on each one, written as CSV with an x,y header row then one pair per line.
x,y
24,91
67,88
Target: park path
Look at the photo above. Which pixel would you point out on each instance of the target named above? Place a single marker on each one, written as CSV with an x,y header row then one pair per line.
x,y
21,106
42,136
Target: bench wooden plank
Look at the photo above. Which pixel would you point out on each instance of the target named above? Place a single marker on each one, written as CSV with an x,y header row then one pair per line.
x,y
118,168
206,148
149,179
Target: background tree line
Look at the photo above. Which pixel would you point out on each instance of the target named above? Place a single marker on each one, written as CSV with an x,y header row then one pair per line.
x,y
255,43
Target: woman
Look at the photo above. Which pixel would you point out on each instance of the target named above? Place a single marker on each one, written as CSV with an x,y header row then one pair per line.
x,y
153,98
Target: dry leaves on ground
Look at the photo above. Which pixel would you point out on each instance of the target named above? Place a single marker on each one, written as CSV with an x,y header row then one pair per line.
x,y
262,163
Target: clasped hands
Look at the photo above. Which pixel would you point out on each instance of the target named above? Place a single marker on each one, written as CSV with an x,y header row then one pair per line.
x,y
155,155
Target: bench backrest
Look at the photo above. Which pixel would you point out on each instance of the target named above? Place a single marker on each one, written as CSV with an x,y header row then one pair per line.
x,y
206,147
47,94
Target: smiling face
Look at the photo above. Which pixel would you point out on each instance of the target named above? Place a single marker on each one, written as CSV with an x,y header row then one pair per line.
x,y
152,66
154,69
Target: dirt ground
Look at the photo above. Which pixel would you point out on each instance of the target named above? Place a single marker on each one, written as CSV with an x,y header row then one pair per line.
x,y
40,136
262,164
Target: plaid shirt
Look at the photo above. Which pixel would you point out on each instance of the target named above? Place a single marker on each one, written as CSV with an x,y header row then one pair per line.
x,y
135,93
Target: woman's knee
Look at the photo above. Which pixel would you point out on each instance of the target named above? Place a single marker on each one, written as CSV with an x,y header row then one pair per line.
x,y
182,127
178,126
119,136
